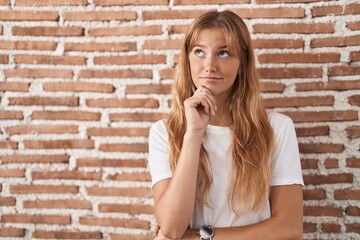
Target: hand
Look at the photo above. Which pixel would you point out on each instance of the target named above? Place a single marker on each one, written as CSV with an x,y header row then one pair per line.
x,y
198,109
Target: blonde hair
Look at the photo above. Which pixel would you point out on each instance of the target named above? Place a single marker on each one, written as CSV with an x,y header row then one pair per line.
x,y
252,135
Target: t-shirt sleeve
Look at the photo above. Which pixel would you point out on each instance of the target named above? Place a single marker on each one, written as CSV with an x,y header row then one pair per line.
x,y
285,161
159,156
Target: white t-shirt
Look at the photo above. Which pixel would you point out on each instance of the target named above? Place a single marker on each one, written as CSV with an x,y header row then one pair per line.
x,y
285,169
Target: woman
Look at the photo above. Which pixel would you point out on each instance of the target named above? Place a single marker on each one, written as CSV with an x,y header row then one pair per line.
x,y
223,168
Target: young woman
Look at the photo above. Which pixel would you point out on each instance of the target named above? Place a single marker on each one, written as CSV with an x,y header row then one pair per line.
x,y
221,166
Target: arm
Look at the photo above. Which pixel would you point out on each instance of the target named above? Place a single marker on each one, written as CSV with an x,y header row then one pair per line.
x,y
286,221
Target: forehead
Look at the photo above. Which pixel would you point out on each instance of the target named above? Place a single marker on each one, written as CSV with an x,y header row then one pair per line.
x,y
210,36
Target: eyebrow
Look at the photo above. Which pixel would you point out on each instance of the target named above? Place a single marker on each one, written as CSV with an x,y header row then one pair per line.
x,y
203,46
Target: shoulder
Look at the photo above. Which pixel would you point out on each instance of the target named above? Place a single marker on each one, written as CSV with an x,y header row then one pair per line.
x,y
279,121
159,129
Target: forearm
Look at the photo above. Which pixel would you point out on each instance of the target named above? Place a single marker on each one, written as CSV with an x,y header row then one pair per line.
x,y
175,206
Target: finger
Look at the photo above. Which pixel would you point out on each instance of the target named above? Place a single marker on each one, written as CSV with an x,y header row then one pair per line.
x,y
210,105
203,91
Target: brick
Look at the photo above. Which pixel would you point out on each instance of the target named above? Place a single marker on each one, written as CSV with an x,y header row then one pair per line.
x,y
103,47
126,208
38,73
62,204
309,163
36,219
16,158
112,131
353,25
59,144
44,101
353,162
299,58
355,56
124,147
321,148
324,116
272,87
100,16
195,2
131,117
354,100
331,163
4,2
178,29
283,12
328,86
163,44
27,45
50,60
125,31
14,86
51,3
112,191
301,28
343,41
129,60
171,14
312,131
167,73
288,1
352,228
288,72
352,211
64,234
48,31
66,115
11,115
111,163
336,10
298,101
7,201
12,173
12,232
309,227
42,129
331,227
148,89
314,194
8,144
131,237
124,103
71,175
316,179
13,15
121,73
136,177
129,2
323,211
278,43
347,194
43,189
79,87
115,222
3,59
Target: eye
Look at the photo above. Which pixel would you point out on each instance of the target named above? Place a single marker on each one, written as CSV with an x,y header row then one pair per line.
x,y
223,53
199,52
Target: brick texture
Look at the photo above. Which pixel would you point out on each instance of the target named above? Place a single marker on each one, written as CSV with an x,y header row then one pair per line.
x,y
82,81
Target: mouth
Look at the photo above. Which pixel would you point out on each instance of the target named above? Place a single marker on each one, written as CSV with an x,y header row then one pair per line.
x,y
210,78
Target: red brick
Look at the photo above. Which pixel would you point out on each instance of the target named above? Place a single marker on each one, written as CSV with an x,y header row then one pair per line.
x,y
314,194
66,115
111,163
298,101
111,191
12,232
355,56
12,15
309,227
347,194
309,163
131,237
44,101
289,72
283,12
14,86
129,60
124,147
148,89
312,131
12,173
323,211
336,10
79,87
39,73
353,228
3,59
316,179
303,28
343,41
59,144
4,2
178,29
354,100
272,87
325,116
321,148
136,177
163,44
125,31
36,219
353,25
331,227
171,14
353,162
62,204
121,73
64,234
124,103
15,158
103,47
71,175
8,144
7,201
288,1
42,129
126,208
112,131
27,45
328,86
331,163
129,2
100,16
11,115
51,3
148,117
352,211
44,189
50,60
195,2
48,31
299,57
115,222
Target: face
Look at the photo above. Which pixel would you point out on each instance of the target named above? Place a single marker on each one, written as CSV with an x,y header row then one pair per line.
x,y
211,63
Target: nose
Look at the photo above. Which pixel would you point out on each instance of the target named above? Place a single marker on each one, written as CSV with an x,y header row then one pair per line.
x,y
210,64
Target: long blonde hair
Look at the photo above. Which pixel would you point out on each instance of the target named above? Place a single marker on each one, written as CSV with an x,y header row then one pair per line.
x,y
249,124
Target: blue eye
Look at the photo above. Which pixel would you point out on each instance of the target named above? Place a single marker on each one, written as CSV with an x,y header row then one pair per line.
x,y
199,52
223,53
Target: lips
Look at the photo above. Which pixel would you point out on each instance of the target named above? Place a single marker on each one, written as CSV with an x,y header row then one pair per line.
x,y
211,78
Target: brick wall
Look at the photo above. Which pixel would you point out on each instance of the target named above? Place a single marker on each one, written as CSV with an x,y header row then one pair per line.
x,y
82,81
